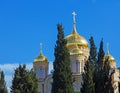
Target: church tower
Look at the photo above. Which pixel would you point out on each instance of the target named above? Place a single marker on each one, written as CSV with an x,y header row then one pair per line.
x,y
110,58
40,66
113,69
78,48
79,53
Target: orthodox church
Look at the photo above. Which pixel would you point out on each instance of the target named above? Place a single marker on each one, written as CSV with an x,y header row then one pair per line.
x,y
79,53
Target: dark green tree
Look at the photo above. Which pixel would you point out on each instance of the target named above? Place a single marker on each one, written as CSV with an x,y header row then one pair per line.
x,y
119,87
107,76
3,88
24,81
93,51
87,77
62,76
101,54
103,83
93,58
99,78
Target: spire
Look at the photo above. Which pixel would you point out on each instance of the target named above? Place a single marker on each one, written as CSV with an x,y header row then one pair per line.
x,y
41,48
74,22
108,48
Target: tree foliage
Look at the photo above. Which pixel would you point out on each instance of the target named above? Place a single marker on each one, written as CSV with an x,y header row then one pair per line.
x,y
101,55
98,74
87,77
24,81
62,76
93,51
93,58
107,76
3,88
103,81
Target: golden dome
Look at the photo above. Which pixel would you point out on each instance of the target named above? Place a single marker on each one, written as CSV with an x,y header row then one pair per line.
x,y
109,57
41,57
75,38
76,51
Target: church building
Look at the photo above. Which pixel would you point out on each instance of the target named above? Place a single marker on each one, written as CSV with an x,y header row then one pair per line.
x,y
79,53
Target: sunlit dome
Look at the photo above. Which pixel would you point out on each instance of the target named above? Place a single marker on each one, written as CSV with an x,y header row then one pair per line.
x,y
108,56
41,57
74,38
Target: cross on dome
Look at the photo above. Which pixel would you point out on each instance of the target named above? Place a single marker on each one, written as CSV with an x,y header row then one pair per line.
x,y
40,48
74,22
74,15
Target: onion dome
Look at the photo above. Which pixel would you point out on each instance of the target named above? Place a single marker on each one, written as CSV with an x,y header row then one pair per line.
x,y
108,56
76,51
74,38
110,59
41,57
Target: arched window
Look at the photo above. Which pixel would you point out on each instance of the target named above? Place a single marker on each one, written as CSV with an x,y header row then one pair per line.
x,y
77,66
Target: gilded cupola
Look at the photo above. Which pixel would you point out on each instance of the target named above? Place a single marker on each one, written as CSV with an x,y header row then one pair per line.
x,y
74,38
41,57
110,58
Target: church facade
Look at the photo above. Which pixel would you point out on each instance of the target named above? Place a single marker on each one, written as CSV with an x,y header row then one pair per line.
x,y
79,53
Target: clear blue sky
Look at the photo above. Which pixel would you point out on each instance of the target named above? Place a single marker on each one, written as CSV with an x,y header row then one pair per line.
x,y
26,23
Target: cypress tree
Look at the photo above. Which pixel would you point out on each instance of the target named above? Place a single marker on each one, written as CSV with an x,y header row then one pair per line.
x,y
24,81
93,51
3,88
101,54
107,76
93,59
87,77
104,84
99,78
62,76
99,83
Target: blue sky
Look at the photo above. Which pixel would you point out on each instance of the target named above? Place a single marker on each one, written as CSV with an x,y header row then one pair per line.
x,y
24,24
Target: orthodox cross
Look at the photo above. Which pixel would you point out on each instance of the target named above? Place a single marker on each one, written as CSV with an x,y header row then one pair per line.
x,y
74,15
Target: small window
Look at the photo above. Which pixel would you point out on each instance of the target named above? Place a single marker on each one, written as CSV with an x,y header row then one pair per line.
x,y
77,66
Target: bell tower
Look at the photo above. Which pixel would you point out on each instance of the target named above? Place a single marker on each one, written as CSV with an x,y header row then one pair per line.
x,y
115,75
40,66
